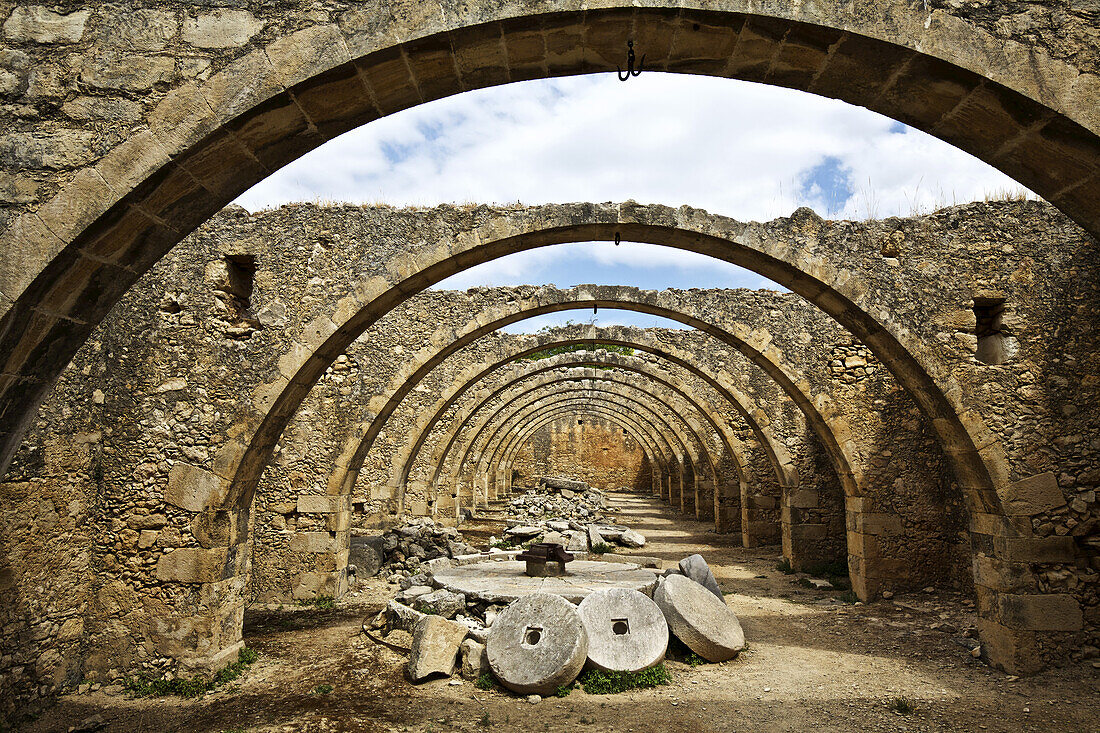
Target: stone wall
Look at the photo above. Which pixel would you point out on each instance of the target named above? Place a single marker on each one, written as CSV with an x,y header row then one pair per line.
x,y
588,448
107,490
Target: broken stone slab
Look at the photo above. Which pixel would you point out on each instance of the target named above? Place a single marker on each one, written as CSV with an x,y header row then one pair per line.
x,y
367,555
418,579
558,526
626,630
556,538
696,568
474,660
410,595
630,538
578,542
595,537
643,560
478,632
435,646
402,617
537,644
441,603
557,483
697,618
523,530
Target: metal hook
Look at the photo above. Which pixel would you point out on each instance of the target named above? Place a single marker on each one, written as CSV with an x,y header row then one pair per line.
x,y
617,239
630,70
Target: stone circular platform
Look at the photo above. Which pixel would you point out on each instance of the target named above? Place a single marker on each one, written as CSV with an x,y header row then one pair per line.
x,y
505,581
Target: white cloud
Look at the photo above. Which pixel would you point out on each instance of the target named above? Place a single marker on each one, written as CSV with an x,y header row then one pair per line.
x,y
730,147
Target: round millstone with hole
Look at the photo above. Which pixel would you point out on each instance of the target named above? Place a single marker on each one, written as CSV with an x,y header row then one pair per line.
x,y
537,644
704,623
626,630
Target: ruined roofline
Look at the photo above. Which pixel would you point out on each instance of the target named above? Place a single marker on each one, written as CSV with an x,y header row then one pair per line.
x,y
799,216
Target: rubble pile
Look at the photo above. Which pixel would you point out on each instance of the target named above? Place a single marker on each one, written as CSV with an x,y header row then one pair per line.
x,y
539,643
566,512
400,552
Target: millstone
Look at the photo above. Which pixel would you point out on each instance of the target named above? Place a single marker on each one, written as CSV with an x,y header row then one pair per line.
x,y
704,623
537,644
627,632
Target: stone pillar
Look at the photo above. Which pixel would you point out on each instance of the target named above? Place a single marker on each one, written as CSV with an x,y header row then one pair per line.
x,y
759,521
704,498
803,533
326,573
727,507
198,618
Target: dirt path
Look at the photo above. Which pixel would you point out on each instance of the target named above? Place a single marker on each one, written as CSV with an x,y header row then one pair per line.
x,y
814,662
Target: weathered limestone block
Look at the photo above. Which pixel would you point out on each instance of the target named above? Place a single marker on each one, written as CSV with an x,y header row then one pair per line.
x,y
1047,612
435,646
194,565
132,73
312,542
1034,495
323,504
222,28
191,488
137,30
39,24
56,150
442,603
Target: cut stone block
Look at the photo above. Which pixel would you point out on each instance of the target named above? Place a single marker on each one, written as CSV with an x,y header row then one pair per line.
x,y
434,647
400,616
696,568
537,644
626,630
442,603
630,538
595,537
578,542
474,660
366,555
697,618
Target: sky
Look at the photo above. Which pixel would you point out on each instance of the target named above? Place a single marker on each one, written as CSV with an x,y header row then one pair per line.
x,y
749,151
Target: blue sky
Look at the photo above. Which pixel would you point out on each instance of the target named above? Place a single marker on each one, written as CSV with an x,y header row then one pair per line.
x,y
744,150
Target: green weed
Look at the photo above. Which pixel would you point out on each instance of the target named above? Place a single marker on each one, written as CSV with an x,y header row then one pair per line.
x,y
485,681
322,690
194,687
601,682
563,690
901,705
326,603
601,547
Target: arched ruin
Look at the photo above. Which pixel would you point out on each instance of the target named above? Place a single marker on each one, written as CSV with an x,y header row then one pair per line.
x,y
192,404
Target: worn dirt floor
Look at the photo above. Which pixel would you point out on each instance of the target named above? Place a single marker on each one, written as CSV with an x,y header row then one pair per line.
x,y
814,662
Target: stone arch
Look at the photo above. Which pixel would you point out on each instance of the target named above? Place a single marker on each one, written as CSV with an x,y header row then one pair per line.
x,y
830,427
679,462
701,466
408,454
671,426
731,445
1010,104
610,377
842,281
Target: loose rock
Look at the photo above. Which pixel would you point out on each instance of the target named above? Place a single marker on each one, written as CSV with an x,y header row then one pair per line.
x,y
435,647
626,630
696,568
537,644
704,623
